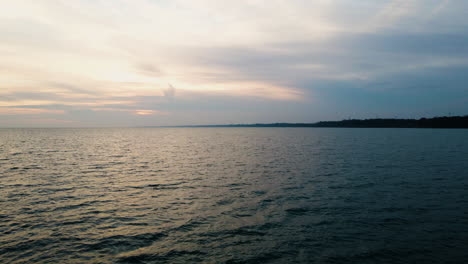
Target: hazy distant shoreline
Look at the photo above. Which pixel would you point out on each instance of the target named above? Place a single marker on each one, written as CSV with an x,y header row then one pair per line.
x,y
435,122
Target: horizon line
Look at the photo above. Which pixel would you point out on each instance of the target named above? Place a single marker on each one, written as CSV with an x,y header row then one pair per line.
x,y
317,124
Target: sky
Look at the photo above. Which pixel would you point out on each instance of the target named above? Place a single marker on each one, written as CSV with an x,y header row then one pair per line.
x,y
96,63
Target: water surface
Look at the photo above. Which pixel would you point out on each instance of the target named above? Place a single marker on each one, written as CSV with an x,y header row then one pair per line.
x,y
233,195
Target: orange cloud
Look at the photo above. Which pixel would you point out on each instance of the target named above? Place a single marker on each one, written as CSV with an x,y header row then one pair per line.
x,y
145,112
51,121
142,112
28,111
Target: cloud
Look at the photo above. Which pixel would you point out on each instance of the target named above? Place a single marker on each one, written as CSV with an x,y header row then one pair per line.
x,y
28,111
149,69
144,112
140,112
169,92
128,56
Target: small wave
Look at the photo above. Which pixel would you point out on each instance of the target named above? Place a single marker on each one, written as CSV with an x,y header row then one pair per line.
x,y
242,231
259,193
76,206
237,184
169,256
189,226
292,188
224,202
165,186
298,211
260,258
123,243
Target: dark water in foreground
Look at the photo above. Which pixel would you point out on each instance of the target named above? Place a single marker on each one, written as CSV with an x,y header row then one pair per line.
x,y
233,195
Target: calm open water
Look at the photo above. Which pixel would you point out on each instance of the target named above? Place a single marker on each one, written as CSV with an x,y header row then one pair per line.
x,y
233,195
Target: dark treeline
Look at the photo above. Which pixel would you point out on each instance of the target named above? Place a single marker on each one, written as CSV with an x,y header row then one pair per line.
x,y
435,122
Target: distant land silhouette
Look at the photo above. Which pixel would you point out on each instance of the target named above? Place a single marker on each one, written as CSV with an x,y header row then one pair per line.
x,y
435,122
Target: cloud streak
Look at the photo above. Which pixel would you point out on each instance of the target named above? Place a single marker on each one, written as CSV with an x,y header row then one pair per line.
x,y
28,111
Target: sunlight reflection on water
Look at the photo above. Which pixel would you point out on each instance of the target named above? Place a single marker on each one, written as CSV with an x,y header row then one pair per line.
x,y
234,195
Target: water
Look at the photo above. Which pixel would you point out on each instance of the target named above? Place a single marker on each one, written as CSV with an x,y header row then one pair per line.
x,y
233,195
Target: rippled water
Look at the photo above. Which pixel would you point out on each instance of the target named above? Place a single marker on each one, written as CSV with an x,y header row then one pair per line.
x,y
233,195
